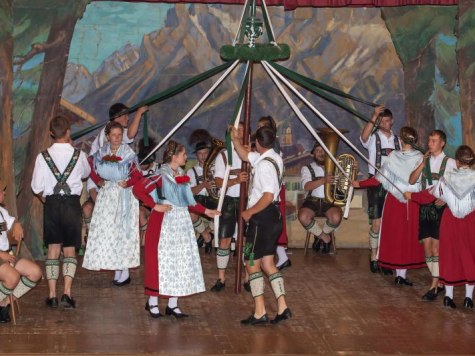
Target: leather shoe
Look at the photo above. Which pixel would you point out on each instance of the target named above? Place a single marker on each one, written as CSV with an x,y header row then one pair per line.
x,y
317,244
218,287
448,302
200,241
52,302
123,283
468,303
247,286
402,281
286,264
440,289
286,314
171,311
149,309
5,314
326,248
387,271
67,302
252,320
208,247
373,266
430,295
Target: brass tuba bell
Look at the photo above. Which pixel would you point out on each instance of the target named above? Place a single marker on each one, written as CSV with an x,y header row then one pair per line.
x,y
208,167
337,192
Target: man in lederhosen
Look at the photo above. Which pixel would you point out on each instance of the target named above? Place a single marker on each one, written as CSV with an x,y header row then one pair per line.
x,y
380,144
230,208
313,180
264,224
202,225
57,181
432,168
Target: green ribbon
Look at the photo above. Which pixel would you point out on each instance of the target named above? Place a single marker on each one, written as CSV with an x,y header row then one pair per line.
x,y
168,93
320,88
145,129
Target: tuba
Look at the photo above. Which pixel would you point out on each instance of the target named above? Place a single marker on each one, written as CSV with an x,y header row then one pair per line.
x,y
208,167
337,192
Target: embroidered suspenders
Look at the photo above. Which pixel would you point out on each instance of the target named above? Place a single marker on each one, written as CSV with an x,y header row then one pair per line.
x,y
428,177
61,179
379,151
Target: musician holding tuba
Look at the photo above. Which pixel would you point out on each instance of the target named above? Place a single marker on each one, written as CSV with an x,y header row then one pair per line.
x,y
199,187
314,178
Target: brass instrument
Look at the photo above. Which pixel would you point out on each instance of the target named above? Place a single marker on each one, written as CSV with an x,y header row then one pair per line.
x,y
338,191
208,167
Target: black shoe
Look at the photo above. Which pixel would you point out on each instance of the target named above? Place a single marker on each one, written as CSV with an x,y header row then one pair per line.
x,y
440,289
252,320
286,314
373,266
326,248
247,286
468,303
208,247
5,314
402,281
218,287
149,309
387,272
52,302
286,264
171,311
430,295
120,284
317,244
67,302
448,302
200,241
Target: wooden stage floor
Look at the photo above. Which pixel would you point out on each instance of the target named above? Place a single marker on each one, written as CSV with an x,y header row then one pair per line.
x,y
338,307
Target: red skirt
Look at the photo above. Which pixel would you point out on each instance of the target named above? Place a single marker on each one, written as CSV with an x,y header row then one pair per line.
x,y
399,247
152,238
457,249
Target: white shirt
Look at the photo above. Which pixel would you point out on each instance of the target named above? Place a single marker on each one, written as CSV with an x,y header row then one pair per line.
x,y
5,217
152,170
193,179
370,145
436,162
220,168
101,140
306,177
61,153
265,178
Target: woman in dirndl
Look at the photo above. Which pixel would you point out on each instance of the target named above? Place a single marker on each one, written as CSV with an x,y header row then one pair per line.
x,y
113,241
172,261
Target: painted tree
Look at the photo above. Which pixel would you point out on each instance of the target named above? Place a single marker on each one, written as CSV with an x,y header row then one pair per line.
x,y
64,16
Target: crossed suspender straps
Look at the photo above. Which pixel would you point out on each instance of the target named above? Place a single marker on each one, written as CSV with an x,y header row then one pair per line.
x,y
61,178
379,151
428,176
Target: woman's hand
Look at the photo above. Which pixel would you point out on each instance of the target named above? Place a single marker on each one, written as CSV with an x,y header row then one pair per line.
x,y
17,231
212,213
122,184
5,256
161,208
407,195
355,184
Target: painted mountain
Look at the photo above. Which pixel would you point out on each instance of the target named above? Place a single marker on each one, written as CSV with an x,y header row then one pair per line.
x,y
350,49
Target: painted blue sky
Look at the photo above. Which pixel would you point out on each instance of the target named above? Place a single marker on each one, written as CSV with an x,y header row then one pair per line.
x,y
107,26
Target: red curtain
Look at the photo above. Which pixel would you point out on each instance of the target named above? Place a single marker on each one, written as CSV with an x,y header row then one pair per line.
x,y
292,4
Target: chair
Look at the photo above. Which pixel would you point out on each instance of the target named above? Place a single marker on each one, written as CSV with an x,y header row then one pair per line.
x,y
14,302
307,239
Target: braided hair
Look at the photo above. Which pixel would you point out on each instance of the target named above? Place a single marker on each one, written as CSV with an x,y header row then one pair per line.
x,y
173,148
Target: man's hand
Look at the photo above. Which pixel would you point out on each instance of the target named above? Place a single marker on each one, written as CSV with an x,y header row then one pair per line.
x,y
242,177
212,213
161,208
142,110
329,178
246,215
377,111
5,256
17,231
